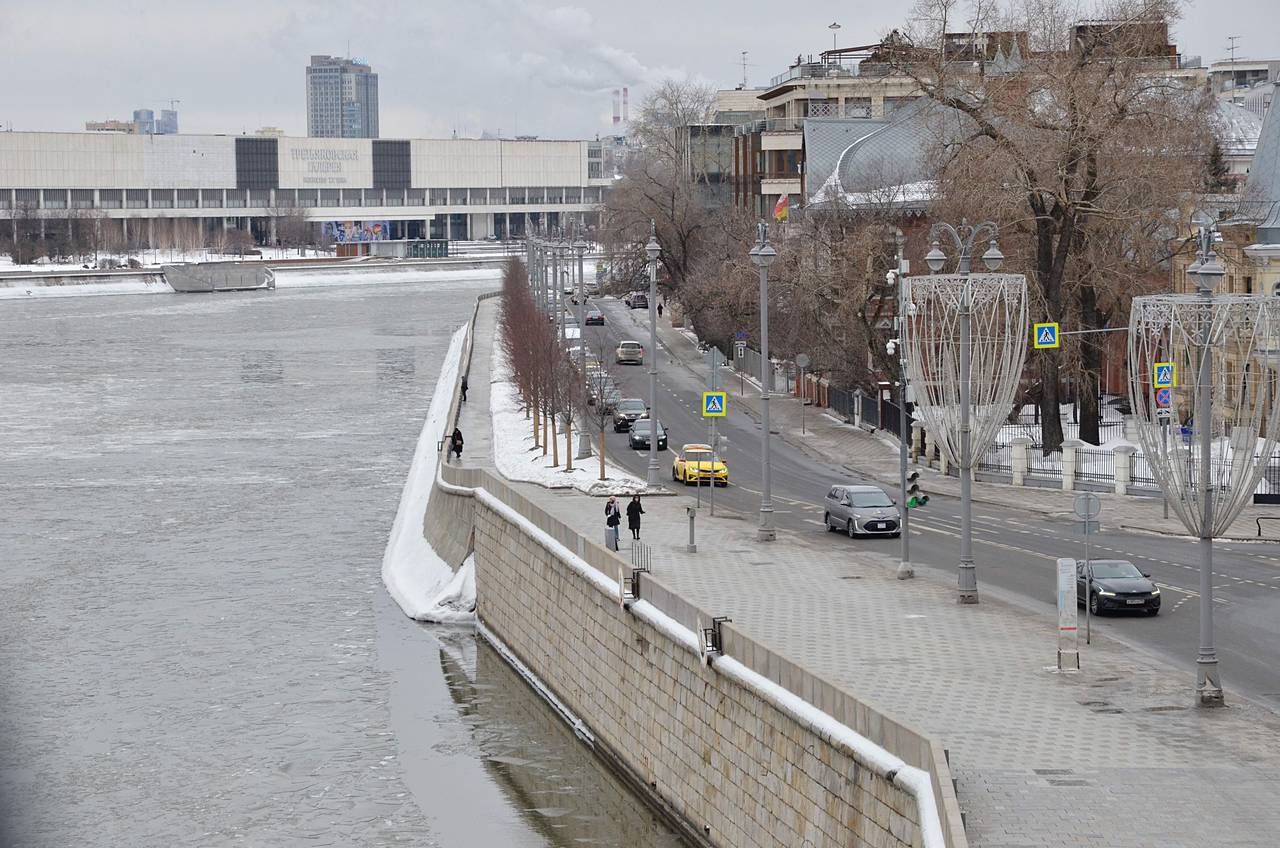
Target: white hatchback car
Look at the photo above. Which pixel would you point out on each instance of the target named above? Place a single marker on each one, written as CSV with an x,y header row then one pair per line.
x,y
630,353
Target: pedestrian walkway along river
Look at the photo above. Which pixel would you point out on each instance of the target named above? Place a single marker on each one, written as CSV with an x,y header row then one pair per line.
x,y
196,648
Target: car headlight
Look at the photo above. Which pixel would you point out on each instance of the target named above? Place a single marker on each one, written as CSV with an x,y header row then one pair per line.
x,y
1155,590
1104,593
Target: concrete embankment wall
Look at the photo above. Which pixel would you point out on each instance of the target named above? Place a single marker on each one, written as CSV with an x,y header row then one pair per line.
x,y
750,750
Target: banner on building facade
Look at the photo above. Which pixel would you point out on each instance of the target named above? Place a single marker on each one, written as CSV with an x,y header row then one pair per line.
x,y
343,232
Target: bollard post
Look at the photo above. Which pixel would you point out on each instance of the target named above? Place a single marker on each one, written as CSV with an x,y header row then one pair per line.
x,y
693,513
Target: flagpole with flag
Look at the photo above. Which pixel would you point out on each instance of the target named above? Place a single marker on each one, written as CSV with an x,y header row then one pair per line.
x,y
782,210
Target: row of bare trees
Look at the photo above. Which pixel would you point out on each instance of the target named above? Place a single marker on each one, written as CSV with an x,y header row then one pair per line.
x,y
553,392
1087,149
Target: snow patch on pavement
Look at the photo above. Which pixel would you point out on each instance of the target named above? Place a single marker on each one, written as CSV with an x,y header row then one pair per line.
x,y
517,459
422,583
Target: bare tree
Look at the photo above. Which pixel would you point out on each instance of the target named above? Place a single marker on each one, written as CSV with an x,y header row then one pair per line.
x,y
1079,147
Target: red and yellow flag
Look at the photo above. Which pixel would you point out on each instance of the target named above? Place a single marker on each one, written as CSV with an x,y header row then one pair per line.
x,y
782,210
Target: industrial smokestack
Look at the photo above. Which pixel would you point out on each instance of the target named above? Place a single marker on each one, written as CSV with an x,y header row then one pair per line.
x,y
626,111
617,115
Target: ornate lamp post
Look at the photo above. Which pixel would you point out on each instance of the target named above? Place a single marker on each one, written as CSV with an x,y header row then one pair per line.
x,y
1003,351
1229,396
763,254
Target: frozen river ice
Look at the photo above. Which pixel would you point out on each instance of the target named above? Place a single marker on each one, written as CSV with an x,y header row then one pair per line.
x,y
195,645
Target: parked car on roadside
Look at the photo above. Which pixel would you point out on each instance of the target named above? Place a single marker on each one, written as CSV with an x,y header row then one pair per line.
x,y
637,300
694,464
630,353
642,431
1117,584
627,412
861,510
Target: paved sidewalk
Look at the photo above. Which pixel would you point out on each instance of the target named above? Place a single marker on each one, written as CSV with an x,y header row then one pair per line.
x,y
1115,755
473,416
830,439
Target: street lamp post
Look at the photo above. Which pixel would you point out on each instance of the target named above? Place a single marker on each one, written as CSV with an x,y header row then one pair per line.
x,y
964,239
1208,272
653,251
905,569
580,248
763,254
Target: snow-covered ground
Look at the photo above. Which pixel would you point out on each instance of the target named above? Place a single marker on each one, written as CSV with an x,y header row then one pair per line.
x,y
116,286
517,459
158,257
423,584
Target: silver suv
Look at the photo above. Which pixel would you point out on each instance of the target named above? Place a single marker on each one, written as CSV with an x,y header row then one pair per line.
x,y
861,510
630,352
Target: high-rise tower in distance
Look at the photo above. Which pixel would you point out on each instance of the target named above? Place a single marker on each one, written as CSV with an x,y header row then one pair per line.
x,y
342,98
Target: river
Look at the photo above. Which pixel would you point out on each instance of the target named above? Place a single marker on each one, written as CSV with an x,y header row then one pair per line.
x,y
196,647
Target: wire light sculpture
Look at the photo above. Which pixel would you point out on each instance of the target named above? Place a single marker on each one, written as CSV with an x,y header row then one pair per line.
x,y
997,307
1237,372
1210,365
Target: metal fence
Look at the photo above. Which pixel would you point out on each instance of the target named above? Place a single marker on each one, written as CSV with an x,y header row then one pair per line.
x,y
1040,465
749,364
841,402
997,458
1095,465
1141,475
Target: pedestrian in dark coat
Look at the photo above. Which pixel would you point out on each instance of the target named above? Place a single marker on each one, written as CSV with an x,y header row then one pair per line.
x,y
464,388
634,511
659,310
612,518
455,442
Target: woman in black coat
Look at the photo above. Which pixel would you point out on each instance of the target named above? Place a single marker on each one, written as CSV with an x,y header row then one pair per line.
x,y
634,511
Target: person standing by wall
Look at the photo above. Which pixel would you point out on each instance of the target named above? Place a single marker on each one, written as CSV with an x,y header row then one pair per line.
x,y
612,518
634,511
455,442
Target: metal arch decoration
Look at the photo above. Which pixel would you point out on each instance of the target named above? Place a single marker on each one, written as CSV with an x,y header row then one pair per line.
x,y
1240,337
997,304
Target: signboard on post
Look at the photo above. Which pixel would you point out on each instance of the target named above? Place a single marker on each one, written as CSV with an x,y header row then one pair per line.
x,y
1164,375
1045,336
1164,398
739,350
1068,629
715,404
740,336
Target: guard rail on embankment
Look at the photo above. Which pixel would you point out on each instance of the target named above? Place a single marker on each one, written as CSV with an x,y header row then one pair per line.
x,y
749,749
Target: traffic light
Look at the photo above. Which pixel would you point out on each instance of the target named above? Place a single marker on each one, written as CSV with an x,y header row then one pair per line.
x,y
915,497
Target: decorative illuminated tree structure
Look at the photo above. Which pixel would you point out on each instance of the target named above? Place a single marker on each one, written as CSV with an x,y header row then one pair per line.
x,y
1207,366
966,338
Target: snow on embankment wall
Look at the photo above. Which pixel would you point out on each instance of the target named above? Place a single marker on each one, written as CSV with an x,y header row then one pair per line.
x,y
80,284
421,580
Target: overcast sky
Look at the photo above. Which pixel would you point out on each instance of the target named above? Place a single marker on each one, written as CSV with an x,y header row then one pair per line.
x,y
532,67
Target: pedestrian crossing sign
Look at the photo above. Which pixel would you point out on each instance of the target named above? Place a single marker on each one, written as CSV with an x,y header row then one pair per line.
x,y
1165,374
715,404
1046,335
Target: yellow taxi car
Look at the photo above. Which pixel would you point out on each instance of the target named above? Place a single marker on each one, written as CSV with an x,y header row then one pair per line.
x,y
693,464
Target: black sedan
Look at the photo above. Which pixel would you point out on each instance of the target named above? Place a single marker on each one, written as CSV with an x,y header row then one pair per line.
x,y
640,434
627,412
1117,584
594,316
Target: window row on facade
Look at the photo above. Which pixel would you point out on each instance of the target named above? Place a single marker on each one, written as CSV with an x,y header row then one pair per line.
x,y
218,198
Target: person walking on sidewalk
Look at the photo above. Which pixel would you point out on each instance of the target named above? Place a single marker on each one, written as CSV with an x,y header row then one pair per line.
x,y
455,442
612,518
464,388
659,309
634,511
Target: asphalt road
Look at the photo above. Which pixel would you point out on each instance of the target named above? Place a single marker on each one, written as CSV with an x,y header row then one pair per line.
x,y
1014,550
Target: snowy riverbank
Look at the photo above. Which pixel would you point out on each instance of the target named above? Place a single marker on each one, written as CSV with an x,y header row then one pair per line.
x,y
423,584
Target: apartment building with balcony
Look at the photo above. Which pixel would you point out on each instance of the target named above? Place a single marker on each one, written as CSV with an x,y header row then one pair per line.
x,y
851,82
